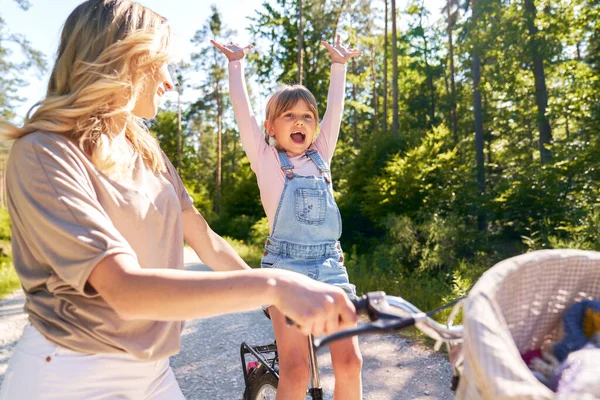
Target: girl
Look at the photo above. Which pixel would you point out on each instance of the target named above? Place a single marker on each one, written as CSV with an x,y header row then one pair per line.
x,y
99,217
292,167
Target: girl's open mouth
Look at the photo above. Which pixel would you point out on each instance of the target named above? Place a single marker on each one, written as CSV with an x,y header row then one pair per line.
x,y
298,137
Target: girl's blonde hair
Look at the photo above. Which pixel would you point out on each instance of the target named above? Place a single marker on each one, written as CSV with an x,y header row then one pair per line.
x,y
108,51
285,98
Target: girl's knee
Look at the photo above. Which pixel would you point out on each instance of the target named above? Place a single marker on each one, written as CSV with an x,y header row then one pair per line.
x,y
350,364
294,367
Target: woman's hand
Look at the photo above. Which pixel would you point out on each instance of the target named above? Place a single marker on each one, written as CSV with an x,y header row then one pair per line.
x,y
339,53
232,51
315,307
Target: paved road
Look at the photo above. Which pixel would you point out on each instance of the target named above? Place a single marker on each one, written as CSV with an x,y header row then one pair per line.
x,y
209,368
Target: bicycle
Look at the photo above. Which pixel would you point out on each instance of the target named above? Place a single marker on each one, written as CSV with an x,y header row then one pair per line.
x,y
386,313
515,306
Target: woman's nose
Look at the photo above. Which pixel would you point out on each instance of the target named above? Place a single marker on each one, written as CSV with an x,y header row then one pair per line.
x,y
166,78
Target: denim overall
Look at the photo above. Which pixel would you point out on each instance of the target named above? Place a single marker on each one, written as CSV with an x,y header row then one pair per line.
x,y
307,227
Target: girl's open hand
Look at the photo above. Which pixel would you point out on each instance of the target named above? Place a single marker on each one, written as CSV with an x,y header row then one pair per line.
x,y
339,53
232,51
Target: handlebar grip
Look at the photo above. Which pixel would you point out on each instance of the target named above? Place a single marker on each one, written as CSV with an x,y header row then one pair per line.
x,y
361,304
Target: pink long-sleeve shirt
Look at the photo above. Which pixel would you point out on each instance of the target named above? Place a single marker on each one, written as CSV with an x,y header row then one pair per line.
x,y
264,159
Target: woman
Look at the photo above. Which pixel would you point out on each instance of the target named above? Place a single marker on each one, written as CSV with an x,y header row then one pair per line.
x,y
99,219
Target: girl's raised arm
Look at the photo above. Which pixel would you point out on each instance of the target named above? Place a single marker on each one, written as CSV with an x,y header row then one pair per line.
x,y
330,124
252,136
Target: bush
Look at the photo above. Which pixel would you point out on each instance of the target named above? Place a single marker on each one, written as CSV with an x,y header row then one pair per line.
x,y
5,226
9,281
251,253
259,231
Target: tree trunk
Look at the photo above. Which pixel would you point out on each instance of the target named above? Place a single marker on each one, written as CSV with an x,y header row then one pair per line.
x,y
385,68
541,92
337,19
452,82
355,110
479,141
430,84
179,130
300,41
395,127
375,96
219,148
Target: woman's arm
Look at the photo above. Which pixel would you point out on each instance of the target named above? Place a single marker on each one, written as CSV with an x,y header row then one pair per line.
x,y
212,249
169,294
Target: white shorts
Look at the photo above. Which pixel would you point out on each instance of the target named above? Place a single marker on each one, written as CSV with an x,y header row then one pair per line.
x,y
40,369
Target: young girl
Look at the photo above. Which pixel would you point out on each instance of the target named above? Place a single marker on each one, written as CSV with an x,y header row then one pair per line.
x,y
292,167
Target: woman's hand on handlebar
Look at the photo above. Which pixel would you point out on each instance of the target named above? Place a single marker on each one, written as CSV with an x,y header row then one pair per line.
x,y
315,307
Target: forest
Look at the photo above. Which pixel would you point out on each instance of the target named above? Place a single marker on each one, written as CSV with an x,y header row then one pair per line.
x,y
470,132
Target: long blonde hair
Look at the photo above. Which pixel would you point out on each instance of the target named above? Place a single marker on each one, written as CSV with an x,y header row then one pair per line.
x,y
107,51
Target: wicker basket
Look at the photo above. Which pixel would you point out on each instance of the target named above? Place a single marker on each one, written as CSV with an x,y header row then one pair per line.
x,y
516,306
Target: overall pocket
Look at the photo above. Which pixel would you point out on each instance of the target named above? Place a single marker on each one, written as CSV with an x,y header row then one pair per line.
x,y
311,206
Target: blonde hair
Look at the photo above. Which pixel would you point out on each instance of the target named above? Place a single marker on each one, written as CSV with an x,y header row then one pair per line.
x,y
285,98
107,51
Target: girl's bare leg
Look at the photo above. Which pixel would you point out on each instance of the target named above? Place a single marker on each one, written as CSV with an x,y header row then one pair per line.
x,y
293,359
347,365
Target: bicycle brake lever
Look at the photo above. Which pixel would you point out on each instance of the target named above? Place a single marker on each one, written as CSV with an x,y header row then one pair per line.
x,y
379,326
372,304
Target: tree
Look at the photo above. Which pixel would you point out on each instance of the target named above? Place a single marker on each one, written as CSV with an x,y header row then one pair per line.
x,y
451,17
479,141
278,24
209,61
395,109
11,72
541,92
385,67
300,41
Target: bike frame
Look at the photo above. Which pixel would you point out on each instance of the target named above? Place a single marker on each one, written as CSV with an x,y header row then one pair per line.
x,y
388,314
315,391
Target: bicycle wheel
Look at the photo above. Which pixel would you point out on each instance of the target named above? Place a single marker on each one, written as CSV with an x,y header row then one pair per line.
x,y
262,385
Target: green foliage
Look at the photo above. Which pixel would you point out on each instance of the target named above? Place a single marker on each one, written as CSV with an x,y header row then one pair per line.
x,y
380,270
11,71
9,281
5,226
251,253
411,204
416,181
259,231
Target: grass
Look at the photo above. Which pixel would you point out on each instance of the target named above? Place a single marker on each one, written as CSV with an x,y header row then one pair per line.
x,y
251,253
9,281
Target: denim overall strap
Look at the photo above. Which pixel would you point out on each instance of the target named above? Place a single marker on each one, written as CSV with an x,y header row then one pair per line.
x,y
286,165
316,158
307,213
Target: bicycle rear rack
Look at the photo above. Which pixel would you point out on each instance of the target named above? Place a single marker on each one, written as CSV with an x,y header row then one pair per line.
x,y
258,352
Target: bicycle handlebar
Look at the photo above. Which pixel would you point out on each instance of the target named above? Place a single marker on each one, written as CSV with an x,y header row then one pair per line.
x,y
393,313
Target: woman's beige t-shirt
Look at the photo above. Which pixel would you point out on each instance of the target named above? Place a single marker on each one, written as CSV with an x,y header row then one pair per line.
x,y
66,217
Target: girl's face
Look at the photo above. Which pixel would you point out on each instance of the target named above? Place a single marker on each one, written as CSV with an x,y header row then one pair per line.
x,y
294,129
150,97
